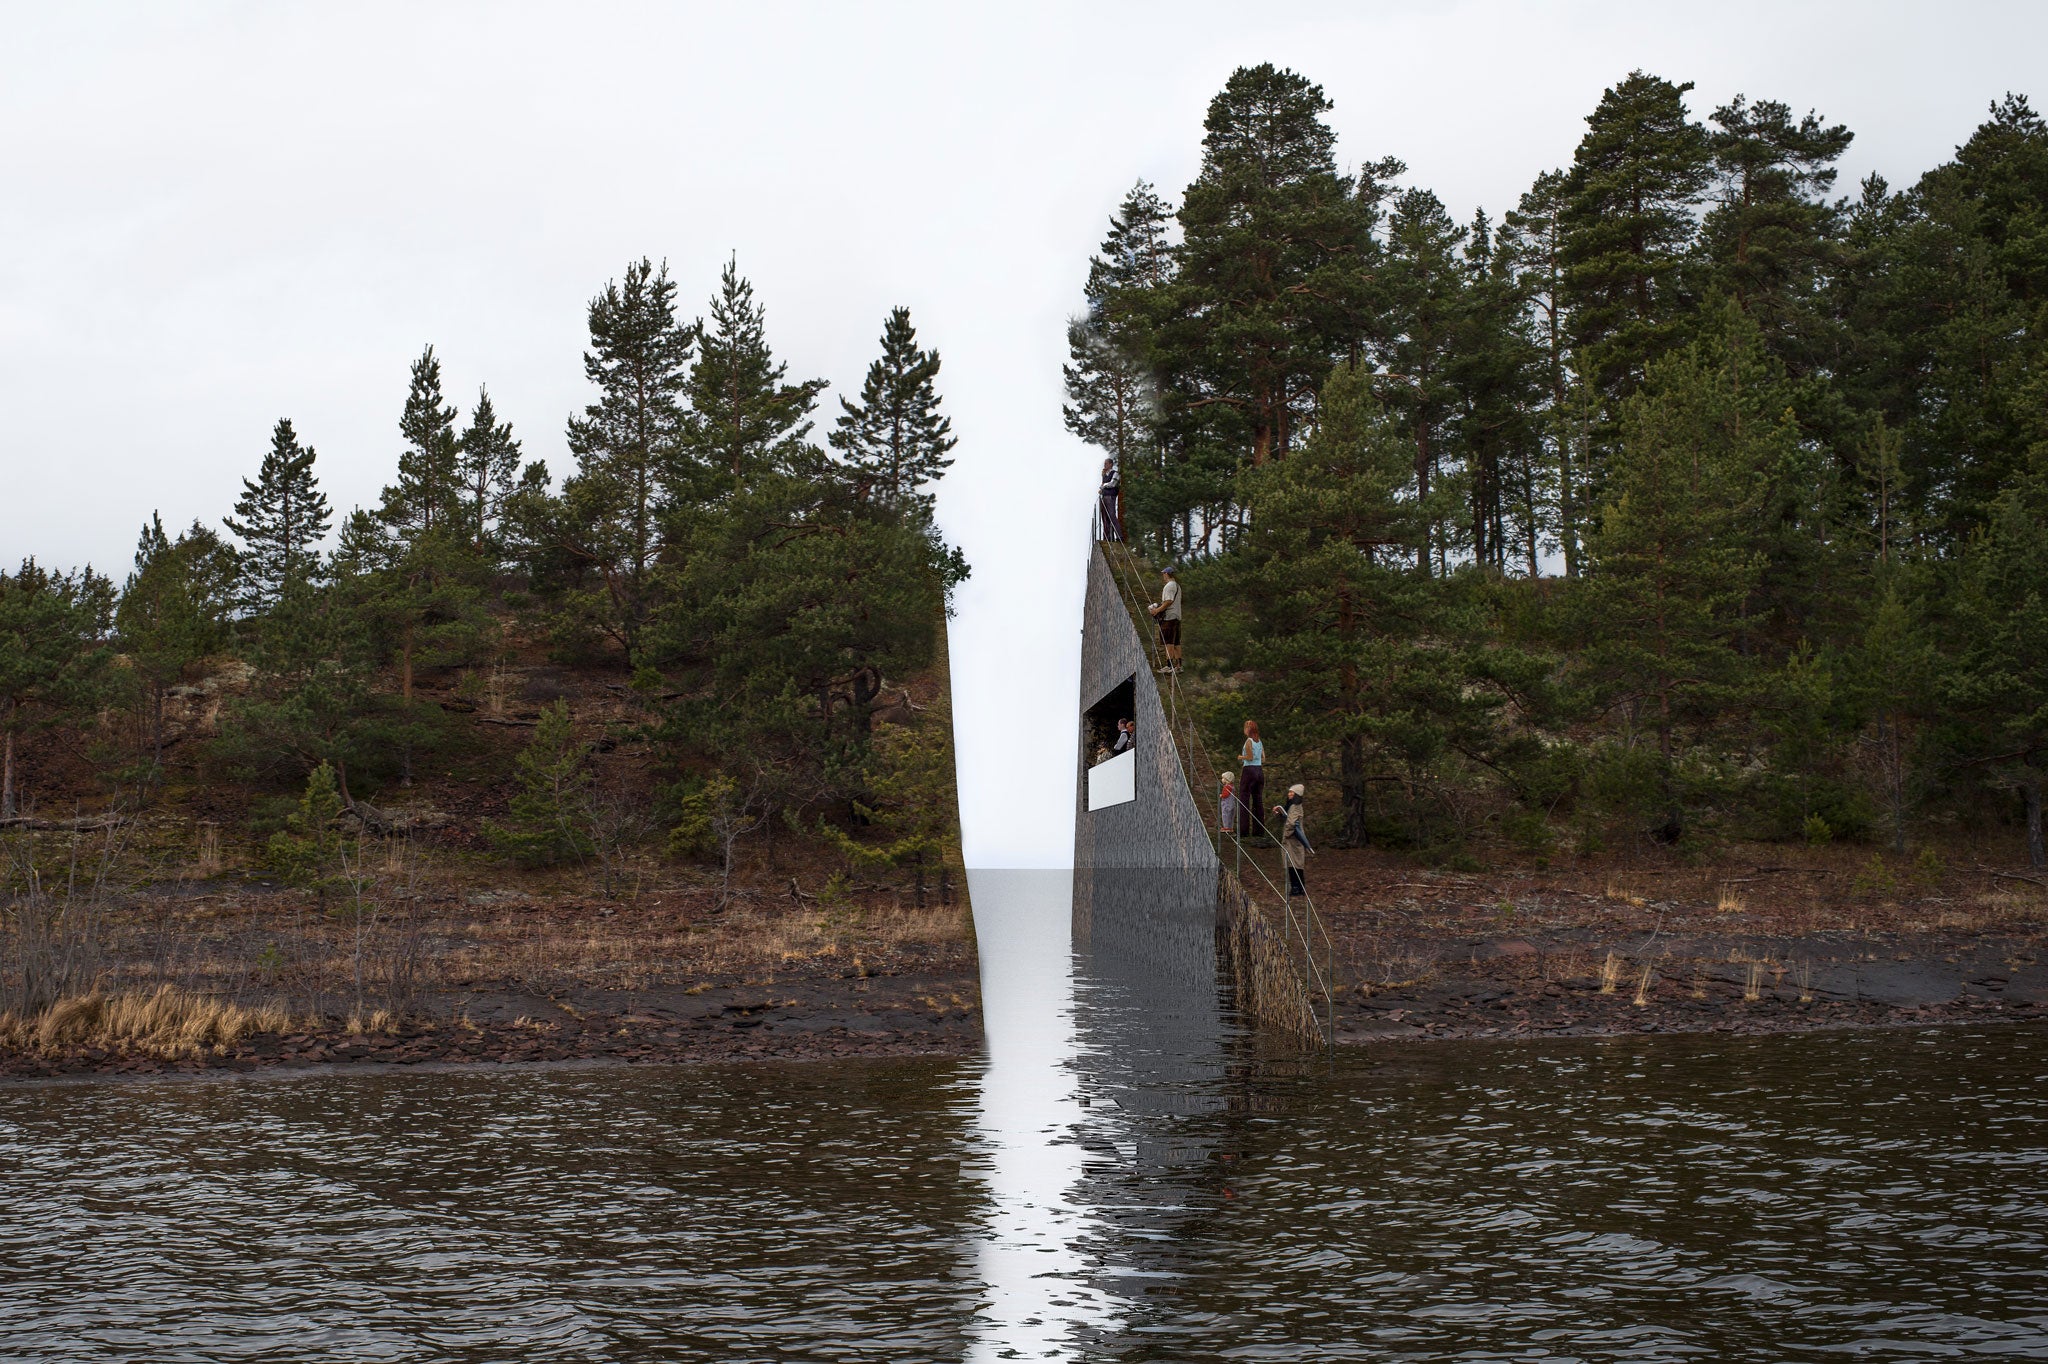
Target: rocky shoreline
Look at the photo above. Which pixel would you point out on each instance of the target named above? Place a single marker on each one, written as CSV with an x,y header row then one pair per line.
x,y
1889,994
934,1015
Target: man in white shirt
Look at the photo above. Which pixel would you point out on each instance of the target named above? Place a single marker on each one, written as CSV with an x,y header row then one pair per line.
x,y
1167,612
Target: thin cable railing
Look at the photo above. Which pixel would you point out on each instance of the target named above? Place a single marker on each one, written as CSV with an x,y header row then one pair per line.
x,y
1306,932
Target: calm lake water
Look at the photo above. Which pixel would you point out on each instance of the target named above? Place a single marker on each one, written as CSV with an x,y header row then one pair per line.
x,y
1121,1179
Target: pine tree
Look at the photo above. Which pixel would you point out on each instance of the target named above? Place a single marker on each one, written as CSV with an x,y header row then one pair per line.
x,y
1635,180
427,496
550,821
280,520
604,533
1270,287
488,469
1327,582
1495,371
173,615
1113,378
1426,306
1995,684
1534,243
1112,397
1771,231
1137,255
419,584
52,662
310,700
1941,303
895,439
792,602
1677,553
1893,676
744,419
308,851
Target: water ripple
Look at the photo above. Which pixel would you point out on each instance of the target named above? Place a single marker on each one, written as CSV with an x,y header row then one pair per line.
x,y
1874,1195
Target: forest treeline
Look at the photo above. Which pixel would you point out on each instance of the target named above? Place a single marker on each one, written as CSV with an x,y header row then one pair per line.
x,y
1688,499
751,586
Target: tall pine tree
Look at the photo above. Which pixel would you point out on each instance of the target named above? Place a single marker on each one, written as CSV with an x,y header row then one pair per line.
x,y
1634,183
1111,385
895,439
51,659
1771,231
280,519
744,419
427,496
488,468
632,465
1534,243
1271,285
173,615
1426,305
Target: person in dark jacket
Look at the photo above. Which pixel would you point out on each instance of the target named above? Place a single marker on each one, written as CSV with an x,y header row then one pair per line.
x,y
1112,496
1251,782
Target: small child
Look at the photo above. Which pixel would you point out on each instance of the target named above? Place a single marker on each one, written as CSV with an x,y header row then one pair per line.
x,y
1226,805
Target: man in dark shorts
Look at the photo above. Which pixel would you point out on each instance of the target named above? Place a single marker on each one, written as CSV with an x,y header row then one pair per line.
x,y
1167,612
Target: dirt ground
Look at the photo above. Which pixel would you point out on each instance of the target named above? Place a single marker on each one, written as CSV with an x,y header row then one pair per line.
x,y
1761,939
509,976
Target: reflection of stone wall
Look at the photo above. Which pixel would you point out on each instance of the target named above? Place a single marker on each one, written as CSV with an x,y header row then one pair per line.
x,y
1147,991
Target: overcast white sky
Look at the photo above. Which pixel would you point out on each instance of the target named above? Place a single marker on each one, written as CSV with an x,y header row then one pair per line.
x,y
214,215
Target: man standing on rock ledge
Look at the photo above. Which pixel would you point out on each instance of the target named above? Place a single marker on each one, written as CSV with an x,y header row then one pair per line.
x,y
1167,612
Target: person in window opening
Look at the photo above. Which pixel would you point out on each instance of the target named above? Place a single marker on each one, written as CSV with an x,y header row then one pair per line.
x,y
1167,612
1226,804
1126,736
1112,502
1294,845
1251,785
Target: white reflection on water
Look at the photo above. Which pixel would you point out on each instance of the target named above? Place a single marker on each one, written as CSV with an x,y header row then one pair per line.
x,y
1029,1118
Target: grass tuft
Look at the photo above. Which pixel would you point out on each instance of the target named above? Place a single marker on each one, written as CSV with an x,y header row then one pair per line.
x,y
1610,973
167,1023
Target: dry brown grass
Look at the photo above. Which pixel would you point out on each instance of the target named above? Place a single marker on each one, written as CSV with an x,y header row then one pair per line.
x,y
949,924
1622,893
165,1023
1730,901
207,860
1610,973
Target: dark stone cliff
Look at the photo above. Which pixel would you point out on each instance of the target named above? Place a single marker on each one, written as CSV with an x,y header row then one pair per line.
x,y
1147,865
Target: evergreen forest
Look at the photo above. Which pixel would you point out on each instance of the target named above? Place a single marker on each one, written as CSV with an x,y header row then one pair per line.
x,y
1692,497
745,599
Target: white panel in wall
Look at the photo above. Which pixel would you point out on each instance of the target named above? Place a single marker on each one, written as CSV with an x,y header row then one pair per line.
x,y
1114,782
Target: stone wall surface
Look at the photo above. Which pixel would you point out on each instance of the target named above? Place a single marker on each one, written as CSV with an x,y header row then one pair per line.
x,y
1162,830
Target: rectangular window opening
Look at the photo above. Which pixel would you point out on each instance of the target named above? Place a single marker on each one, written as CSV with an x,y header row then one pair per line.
x,y
1108,736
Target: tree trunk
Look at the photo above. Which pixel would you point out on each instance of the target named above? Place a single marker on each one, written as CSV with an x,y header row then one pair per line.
x,y
156,747
1351,786
867,685
7,777
2037,849
405,666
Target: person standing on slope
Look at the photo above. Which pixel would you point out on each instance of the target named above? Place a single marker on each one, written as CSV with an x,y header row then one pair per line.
x,y
1167,612
1112,494
1295,849
1251,784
